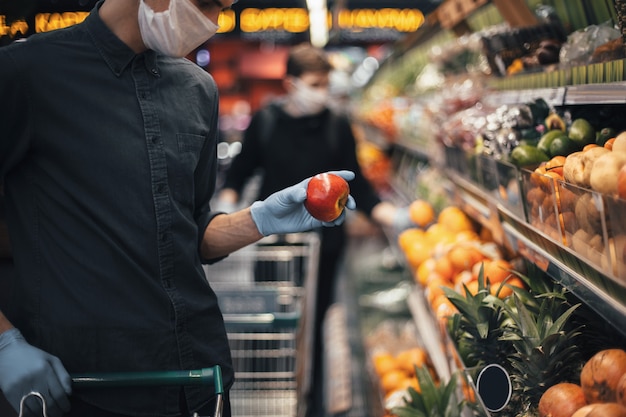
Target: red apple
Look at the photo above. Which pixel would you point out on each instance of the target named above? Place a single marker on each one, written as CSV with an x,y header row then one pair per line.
x,y
326,196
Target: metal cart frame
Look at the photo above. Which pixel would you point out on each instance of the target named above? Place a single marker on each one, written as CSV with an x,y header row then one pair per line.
x,y
261,291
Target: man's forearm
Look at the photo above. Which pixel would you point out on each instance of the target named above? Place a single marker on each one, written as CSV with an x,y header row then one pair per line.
x,y
227,233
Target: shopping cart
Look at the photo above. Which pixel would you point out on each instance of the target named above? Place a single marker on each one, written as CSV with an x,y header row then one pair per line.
x,y
210,377
261,291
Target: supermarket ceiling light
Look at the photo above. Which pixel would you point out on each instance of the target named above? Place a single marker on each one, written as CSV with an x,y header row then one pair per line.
x,y
318,22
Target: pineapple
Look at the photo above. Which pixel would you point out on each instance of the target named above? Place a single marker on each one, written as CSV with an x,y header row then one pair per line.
x,y
479,326
530,334
432,400
545,349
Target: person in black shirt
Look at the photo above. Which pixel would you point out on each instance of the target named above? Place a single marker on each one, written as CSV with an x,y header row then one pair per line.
x,y
108,161
300,136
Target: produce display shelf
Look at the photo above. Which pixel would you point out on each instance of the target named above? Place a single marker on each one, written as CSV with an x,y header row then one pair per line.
x,y
596,289
553,96
599,93
607,93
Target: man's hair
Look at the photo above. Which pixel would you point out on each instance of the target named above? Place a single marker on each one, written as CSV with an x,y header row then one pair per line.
x,y
307,58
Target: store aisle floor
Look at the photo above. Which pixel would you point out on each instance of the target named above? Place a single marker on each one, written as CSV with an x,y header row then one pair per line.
x,y
348,390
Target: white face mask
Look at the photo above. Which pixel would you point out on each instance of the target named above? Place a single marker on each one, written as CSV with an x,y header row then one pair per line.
x,y
176,31
307,100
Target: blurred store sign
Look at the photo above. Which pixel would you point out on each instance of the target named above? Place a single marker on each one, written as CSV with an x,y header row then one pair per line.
x,y
285,22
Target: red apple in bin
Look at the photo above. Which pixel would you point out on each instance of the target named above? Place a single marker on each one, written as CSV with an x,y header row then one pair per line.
x,y
326,196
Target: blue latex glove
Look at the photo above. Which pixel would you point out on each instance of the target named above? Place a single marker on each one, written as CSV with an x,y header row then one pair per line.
x,y
284,211
24,368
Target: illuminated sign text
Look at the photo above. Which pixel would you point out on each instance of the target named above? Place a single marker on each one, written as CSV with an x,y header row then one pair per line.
x,y
45,22
284,19
402,20
17,26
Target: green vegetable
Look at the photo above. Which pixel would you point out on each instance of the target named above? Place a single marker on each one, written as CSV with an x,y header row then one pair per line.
x,y
563,145
546,140
525,155
582,132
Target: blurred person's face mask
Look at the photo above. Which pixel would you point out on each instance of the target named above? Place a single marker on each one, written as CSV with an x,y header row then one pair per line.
x,y
307,100
176,31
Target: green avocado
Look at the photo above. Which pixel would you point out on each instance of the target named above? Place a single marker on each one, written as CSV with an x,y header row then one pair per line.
x,y
563,145
582,132
525,155
547,138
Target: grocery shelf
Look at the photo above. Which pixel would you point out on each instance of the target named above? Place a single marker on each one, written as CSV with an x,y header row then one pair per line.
x,y
600,93
598,290
553,96
606,93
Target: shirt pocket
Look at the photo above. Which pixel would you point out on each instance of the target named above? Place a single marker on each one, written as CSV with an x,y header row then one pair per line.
x,y
189,149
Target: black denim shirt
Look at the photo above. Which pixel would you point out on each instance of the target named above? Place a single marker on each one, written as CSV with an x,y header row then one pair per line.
x,y
108,161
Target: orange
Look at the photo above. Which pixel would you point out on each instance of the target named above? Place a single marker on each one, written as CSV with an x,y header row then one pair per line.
x,y
421,213
417,252
467,236
506,289
434,288
424,270
406,237
454,219
472,287
461,278
590,146
438,233
410,382
609,144
444,267
409,358
443,307
556,164
384,362
463,257
392,380
497,270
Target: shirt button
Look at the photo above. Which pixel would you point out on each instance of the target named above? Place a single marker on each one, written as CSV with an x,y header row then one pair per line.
x,y
154,71
142,95
160,188
163,237
155,139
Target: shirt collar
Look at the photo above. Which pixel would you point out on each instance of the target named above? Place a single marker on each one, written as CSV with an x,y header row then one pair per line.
x,y
115,53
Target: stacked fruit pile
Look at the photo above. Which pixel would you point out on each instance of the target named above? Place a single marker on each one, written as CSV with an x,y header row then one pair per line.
x,y
396,370
600,393
568,196
495,314
449,253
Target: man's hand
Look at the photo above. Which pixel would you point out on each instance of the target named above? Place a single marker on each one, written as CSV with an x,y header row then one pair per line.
x,y
24,369
284,211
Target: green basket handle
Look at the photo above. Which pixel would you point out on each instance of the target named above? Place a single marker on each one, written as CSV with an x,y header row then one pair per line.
x,y
206,376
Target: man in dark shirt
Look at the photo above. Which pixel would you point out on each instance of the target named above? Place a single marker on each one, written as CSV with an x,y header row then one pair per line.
x,y
107,154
